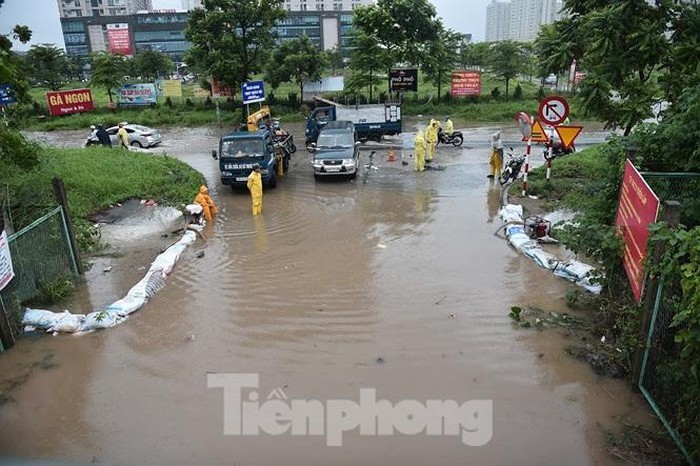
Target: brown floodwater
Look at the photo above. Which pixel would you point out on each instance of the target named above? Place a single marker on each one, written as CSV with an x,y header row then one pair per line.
x,y
393,281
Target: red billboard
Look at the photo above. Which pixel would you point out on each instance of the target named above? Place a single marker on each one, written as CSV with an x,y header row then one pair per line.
x,y
466,83
119,39
637,209
67,102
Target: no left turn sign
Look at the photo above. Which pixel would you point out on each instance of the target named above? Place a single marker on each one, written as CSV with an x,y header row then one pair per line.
x,y
554,110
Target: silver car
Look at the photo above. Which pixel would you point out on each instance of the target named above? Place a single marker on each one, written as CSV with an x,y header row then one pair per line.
x,y
139,136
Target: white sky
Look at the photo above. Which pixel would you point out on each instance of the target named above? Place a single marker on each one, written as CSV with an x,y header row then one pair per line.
x,y
464,16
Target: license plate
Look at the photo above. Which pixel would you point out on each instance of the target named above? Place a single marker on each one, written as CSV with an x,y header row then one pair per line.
x,y
332,169
241,178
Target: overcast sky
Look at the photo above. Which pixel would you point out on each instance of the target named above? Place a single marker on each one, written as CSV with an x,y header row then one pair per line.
x,y
464,16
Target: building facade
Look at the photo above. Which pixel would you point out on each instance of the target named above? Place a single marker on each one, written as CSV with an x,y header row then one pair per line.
x,y
164,30
519,20
191,4
324,5
95,8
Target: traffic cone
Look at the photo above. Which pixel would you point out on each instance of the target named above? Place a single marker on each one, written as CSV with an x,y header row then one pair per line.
x,y
391,156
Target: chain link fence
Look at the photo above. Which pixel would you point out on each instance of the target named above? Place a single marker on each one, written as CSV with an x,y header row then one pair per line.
x,y
663,377
43,261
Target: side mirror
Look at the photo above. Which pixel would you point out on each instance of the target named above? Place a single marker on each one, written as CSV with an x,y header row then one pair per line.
x,y
214,155
357,143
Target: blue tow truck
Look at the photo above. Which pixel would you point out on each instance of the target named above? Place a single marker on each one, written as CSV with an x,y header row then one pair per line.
x,y
371,121
240,150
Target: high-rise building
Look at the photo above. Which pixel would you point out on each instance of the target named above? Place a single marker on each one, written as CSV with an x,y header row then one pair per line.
x,y
82,8
519,20
191,4
497,21
324,5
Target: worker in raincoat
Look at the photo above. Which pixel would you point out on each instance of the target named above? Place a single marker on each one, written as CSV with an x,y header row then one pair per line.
x,y
431,135
256,189
496,161
419,146
123,136
449,126
206,202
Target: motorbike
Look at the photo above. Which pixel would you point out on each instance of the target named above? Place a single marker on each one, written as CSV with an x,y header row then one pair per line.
x,y
456,138
512,168
557,151
91,141
283,137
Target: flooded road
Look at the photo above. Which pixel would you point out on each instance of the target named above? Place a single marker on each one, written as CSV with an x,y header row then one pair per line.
x,y
394,281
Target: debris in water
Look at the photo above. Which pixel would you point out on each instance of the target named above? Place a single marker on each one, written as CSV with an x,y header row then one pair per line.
x,y
107,269
381,246
190,338
380,360
200,254
451,316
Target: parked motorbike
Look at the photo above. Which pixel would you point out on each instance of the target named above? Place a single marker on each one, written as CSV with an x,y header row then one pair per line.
x,y
456,138
512,168
557,151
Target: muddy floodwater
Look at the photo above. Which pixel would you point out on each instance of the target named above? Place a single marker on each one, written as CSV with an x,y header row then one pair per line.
x,y
394,281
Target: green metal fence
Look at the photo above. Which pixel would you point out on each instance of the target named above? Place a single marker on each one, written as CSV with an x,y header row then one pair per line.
x,y
42,257
662,377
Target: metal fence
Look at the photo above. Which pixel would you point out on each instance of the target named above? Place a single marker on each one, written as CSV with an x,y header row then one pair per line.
x,y
42,258
662,377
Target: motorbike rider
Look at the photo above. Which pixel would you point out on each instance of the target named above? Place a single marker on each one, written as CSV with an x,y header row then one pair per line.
x,y
449,126
103,136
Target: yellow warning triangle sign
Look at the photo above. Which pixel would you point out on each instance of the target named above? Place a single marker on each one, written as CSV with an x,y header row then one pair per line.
x,y
538,134
567,134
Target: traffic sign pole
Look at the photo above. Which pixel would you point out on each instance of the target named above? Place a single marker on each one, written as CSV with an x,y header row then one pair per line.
x,y
549,159
527,161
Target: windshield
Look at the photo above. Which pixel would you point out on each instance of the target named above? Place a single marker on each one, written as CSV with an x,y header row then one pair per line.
x,y
335,140
242,148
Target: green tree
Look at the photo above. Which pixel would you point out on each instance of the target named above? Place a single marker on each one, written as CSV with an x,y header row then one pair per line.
x,y
108,71
231,38
442,58
10,63
475,55
152,64
368,63
48,64
507,60
335,59
296,60
622,46
403,28
680,67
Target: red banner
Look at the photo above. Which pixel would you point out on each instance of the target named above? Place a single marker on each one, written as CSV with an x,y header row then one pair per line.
x,y
67,102
119,39
466,83
217,90
637,209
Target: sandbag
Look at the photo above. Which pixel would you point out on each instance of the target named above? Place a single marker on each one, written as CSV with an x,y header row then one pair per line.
x,y
39,318
100,319
67,322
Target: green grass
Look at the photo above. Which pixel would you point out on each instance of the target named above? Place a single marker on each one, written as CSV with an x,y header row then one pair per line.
x,y
96,178
573,181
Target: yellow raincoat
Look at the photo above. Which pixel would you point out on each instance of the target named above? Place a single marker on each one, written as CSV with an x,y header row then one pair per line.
x,y
208,206
419,147
256,191
431,134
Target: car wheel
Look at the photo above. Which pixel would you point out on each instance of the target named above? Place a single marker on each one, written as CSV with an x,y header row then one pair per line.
x,y
353,175
272,184
136,144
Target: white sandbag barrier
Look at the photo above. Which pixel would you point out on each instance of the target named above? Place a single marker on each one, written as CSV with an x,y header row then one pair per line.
x,y
117,312
577,272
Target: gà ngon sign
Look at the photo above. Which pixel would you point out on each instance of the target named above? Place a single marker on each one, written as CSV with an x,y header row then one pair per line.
x,y
67,102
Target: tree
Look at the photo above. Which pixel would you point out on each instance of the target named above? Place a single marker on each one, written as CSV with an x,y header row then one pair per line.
x,y
507,60
108,71
403,28
335,59
152,64
48,64
296,60
621,57
231,38
474,55
10,63
442,58
368,62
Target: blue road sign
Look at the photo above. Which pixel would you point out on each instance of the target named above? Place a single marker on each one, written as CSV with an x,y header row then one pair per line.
x,y
6,97
253,91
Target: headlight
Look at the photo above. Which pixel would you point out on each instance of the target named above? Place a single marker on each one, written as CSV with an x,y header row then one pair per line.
x,y
317,163
226,174
348,162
